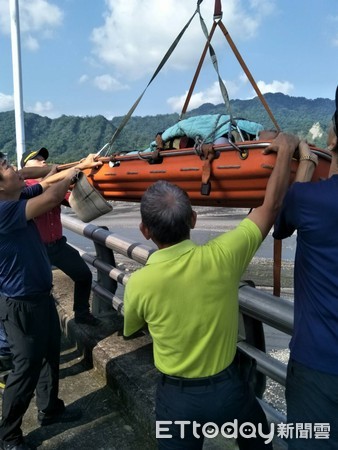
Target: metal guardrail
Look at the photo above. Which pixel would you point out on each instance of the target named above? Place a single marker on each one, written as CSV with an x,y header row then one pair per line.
x,y
254,303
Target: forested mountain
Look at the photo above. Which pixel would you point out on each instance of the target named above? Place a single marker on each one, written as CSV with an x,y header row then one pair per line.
x,y
70,138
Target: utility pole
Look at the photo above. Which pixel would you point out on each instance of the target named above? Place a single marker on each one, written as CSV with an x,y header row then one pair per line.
x,y
17,79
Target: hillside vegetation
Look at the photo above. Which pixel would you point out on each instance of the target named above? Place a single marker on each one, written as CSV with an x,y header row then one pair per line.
x,y
70,138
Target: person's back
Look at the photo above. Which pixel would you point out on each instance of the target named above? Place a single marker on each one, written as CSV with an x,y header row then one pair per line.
x,y
48,224
311,393
188,296
313,209
190,301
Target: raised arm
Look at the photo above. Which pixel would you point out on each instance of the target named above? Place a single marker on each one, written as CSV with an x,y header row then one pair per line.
x,y
265,215
34,172
87,163
307,163
51,197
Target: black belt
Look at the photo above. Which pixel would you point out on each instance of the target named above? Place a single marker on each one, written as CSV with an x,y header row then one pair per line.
x,y
204,381
32,297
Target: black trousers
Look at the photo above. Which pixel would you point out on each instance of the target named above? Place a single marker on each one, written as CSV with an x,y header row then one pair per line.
x,y
66,258
312,403
222,399
33,332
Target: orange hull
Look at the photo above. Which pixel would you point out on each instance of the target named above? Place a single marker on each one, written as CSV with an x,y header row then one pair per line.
x,y
235,181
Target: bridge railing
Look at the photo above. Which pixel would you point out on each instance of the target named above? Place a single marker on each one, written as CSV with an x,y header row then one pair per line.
x,y
257,305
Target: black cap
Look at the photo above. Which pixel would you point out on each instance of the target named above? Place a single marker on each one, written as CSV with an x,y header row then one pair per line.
x,y
33,154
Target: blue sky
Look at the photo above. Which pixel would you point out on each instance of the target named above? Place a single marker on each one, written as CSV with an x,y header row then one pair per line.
x,y
89,57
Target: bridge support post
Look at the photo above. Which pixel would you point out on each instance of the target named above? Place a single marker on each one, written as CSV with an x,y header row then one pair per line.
x,y
105,254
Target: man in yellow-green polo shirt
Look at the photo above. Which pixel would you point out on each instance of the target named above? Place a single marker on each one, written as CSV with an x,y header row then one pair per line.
x,y
187,294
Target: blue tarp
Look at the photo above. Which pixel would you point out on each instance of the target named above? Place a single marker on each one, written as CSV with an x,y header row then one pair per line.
x,y
208,127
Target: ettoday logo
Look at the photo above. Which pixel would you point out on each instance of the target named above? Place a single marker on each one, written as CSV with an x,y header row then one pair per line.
x,y
209,430
247,430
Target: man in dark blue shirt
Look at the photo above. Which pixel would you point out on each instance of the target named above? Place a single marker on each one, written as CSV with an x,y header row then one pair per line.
x,y
311,209
27,307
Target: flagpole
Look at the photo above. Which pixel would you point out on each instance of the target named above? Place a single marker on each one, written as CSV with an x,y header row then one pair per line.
x,y
17,79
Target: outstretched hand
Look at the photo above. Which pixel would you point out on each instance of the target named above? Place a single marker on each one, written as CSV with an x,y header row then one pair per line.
x,y
89,162
53,171
289,141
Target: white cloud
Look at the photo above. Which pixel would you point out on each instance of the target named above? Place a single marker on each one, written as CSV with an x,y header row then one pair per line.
x,y
6,102
31,43
36,16
285,87
176,103
265,7
135,47
4,17
211,94
331,29
243,78
83,78
104,82
108,83
42,108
